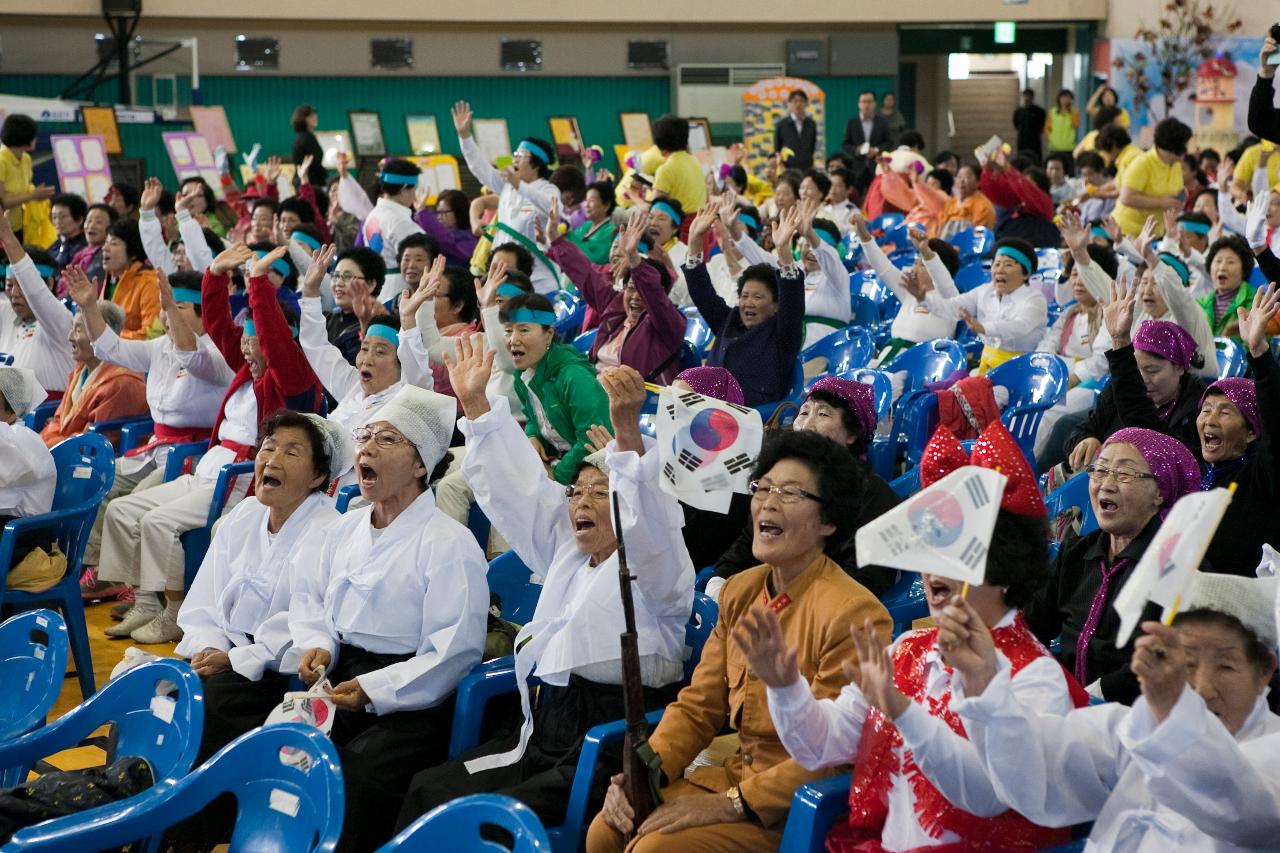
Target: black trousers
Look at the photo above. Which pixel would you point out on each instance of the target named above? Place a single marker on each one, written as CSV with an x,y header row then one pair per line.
x,y
234,705
543,777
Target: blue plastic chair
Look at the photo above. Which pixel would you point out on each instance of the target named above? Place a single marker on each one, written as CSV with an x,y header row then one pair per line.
x,y
970,276
1257,278
973,243
195,543
459,825
863,312
583,342
33,662
5,359
132,430
288,802
570,312
1048,259
814,810
150,722
38,417
905,601
886,222
929,361
844,350
766,410
86,469
1231,358
342,501
704,575
698,334
1073,493
509,580
182,454
1036,381
869,285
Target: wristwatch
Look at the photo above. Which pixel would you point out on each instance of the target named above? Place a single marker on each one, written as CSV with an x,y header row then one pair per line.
x,y
735,797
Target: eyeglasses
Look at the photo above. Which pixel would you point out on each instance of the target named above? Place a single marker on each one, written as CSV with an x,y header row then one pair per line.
x,y
383,438
1098,474
596,493
786,494
346,277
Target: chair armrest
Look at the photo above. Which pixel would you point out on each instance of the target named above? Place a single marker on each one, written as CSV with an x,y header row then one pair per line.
x,y
814,809
179,454
113,824
474,692
9,534
704,575
597,738
345,494
221,489
38,417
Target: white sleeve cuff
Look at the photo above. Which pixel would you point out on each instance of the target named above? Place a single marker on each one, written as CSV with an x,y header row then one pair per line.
x,y
789,699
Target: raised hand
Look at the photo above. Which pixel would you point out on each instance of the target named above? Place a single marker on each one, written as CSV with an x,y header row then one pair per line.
x,y
729,209
1112,228
1255,229
965,643
167,302
784,233
859,223
320,260
701,225
874,672
1118,313
469,374
262,265
305,168
1253,323
235,255
625,387
273,169
427,289
598,438
1147,240
83,290
1075,234
462,119
1226,173
364,303
759,635
920,239
151,191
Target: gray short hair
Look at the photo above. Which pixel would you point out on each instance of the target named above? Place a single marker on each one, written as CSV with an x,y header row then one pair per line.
x,y
113,315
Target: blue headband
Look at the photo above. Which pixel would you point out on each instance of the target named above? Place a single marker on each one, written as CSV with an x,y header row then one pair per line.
x,y
186,294
535,150
4,270
1194,227
1010,252
1177,264
393,178
528,315
825,237
252,330
278,264
383,331
644,247
45,270
1099,231
511,291
661,205
305,239
748,220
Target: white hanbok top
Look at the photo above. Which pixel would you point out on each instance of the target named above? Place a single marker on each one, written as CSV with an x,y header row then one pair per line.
x,y
914,322
239,601
826,732
519,208
386,225
40,345
1014,323
1185,784
419,587
28,474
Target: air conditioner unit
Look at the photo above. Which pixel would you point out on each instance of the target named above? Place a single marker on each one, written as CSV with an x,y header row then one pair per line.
x,y
714,91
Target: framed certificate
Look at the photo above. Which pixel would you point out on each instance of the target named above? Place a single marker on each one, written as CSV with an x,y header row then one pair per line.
x,y
494,139
699,134
366,132
424,135
567,137
101,121
637,130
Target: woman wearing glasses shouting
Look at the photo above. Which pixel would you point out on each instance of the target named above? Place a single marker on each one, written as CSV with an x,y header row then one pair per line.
x,y
1134,481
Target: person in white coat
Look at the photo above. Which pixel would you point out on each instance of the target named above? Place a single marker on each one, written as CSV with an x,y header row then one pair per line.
x,y
393,613
235,618
523,189
28,474
1189,767
568,541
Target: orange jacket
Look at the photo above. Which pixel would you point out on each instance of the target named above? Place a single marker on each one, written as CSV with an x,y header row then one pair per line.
x,y
114,392
138,294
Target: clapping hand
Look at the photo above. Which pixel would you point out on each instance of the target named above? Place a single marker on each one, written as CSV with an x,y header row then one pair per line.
x,y
874,672
1253,322
759,635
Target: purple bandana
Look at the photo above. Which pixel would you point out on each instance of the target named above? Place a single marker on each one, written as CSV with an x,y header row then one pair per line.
x,y
715,382
1174,467
1167,340
1242,395
857,396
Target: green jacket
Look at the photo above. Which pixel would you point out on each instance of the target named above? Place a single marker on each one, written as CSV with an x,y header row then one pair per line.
x,y
565,383
1243,299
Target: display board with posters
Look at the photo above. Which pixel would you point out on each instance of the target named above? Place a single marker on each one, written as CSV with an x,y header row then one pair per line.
x,y
192,157
212,122
439,172
81,161
764,104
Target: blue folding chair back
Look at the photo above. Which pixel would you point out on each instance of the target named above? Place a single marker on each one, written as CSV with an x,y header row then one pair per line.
x,y
285,778
33,663
158,711
1073,493
814,810
844,350
1231,359
702,621
886,222
570,311
509,580
698,334
342,501
467,823
863,312
583,342
1035,381
971,275
86,469
195,543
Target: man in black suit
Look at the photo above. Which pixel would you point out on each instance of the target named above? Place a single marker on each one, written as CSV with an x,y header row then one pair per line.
x,y
796,131
1028,120
867,127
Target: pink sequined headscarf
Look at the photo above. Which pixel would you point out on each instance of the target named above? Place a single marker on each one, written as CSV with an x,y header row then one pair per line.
x,y
1243,396
856,396
713,382
1167,340
1172,464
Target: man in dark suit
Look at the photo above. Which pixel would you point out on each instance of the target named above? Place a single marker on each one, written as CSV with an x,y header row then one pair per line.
x,y
867,127
1028,120
797,132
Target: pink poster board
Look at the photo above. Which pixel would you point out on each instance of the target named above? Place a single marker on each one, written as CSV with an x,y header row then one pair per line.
x,y
192,157
81,161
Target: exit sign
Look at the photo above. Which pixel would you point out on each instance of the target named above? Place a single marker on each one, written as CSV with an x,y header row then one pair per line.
x,y
1006,32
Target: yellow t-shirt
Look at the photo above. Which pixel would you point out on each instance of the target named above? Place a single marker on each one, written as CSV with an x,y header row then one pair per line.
x,y
1123,118
681,178
1087,144
15,176
1249,161
1150,176
1126,156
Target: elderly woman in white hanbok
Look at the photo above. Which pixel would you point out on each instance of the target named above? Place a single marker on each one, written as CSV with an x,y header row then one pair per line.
x,y
1189,767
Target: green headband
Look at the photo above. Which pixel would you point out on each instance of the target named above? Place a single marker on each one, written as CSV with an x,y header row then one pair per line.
x,y
528,315
663,207
1010,252
383,331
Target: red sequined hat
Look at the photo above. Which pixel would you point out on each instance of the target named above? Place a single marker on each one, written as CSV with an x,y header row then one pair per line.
x,y
995,449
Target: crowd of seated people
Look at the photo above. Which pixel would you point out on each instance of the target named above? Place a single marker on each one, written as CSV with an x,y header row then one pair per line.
x,y
424,381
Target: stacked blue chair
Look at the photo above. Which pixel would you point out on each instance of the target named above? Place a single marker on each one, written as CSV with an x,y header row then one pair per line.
x,y
843,351
86,469
286,780
571,309
461,825
1231,358
33,662
158,711
132,431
